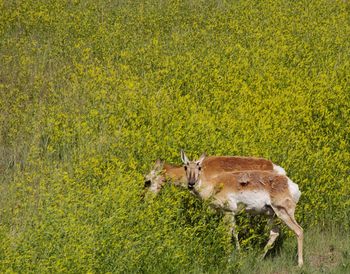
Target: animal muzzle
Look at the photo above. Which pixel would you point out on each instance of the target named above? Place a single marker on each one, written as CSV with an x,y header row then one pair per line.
x,y
191,184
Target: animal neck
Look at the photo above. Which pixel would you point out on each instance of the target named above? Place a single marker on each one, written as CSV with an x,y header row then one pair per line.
x,y
203,188
175,175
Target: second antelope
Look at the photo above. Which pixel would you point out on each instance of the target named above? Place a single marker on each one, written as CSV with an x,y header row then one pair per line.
x,y
258,191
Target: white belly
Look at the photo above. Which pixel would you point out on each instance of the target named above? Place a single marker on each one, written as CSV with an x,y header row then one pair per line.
x,y
255,201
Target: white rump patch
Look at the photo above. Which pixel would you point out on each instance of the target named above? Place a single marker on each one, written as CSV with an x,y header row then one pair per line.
x,y
279,170
294,190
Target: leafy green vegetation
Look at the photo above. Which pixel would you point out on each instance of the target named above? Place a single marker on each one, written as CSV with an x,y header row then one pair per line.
x,y
93,92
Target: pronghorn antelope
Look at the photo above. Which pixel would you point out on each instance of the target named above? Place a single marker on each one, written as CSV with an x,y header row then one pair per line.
x,y
259,191
163,172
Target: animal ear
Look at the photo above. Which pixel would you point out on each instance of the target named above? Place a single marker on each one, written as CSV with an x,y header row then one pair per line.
x,y
158,164
200,160
184,157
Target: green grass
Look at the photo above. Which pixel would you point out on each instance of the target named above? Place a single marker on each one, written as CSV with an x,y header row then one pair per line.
x,y
326,251
93,92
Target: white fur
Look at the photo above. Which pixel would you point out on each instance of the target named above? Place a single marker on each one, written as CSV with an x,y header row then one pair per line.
x,y
205,192
279,170
154,188
255,201
156,181
294,190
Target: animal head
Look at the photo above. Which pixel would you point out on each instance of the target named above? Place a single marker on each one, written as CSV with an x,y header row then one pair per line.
x,y
192,168
154,179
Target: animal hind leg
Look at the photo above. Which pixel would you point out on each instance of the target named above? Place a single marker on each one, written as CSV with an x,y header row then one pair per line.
x,y
274,233
286,215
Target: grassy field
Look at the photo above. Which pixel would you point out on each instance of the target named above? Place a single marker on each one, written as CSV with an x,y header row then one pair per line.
x,y
93,92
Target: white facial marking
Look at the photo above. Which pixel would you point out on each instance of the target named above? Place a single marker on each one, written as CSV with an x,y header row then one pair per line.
x,y
156,181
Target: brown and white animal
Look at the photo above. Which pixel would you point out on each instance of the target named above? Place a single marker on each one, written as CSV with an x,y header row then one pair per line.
x,y
163,173
176,175
258,191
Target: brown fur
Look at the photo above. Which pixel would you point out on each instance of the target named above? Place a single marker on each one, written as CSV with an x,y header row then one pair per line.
x,y
254,180
227,163
175,174
263,191
214,164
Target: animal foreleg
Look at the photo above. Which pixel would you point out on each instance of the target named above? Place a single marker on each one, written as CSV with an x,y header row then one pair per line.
x,y
233,230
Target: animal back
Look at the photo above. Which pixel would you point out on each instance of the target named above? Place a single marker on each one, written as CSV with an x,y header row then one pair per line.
x,y
226,163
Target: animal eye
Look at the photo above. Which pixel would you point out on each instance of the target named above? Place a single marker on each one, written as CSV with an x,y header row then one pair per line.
x,y
199,168
185,168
